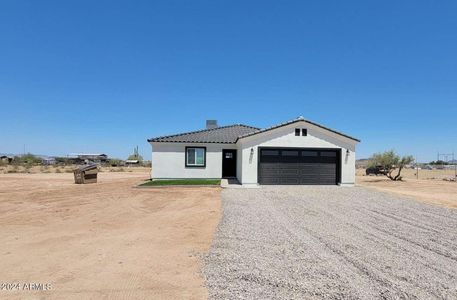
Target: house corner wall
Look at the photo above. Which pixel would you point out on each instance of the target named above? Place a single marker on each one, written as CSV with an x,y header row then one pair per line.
x,y
248,170
348,167
239,164
285,137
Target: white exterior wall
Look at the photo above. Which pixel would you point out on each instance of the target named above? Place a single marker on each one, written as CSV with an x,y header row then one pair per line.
x,y
239,164
285,137
168,161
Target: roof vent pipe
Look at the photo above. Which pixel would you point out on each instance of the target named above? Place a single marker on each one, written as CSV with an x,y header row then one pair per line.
x,y
210,124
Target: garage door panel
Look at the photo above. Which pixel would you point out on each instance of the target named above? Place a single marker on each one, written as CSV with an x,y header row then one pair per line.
x,y
310,166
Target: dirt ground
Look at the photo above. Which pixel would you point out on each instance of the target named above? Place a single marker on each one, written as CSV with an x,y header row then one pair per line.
x,y
105,240
438,192
420,174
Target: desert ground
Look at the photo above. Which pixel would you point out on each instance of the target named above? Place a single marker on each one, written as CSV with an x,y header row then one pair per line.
x,y
422,174
14,169
114,240
105,240
429,188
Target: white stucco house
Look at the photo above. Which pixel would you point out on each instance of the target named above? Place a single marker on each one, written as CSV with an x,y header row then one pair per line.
x,y
295,152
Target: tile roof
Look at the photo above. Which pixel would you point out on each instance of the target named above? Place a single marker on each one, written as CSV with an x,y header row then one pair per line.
x,y
222,135
231,134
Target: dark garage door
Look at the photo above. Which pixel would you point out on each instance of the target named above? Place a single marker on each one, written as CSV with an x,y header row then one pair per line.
x,y
298,166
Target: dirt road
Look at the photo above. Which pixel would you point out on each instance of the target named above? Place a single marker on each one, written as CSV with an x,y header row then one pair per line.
x,y
328,242
105,240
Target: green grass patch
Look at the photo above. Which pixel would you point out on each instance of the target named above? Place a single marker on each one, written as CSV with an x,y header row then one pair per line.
x,y
182,182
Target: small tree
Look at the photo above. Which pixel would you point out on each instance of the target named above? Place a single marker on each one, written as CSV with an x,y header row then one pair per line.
x,y
389,161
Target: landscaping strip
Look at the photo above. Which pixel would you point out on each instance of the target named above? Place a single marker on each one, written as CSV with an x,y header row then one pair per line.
x,y
182,182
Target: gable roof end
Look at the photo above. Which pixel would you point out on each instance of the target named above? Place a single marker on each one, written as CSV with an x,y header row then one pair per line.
x,y
299,119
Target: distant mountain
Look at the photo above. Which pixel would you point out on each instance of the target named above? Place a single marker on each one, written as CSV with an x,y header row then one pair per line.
x,y
37,155
362,163
8,154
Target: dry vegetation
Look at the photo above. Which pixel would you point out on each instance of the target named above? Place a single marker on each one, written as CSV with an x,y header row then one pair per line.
x,y
12,169
105,240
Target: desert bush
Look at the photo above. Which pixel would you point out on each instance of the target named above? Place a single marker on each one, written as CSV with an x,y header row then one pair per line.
x,y
27,168
114,162
27,159
14,169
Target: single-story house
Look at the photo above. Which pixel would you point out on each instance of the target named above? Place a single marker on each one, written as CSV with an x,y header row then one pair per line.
x,y
46,160
89,157
295,152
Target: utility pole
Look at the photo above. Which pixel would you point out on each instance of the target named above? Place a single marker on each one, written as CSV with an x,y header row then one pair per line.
x,y
455,166
446,157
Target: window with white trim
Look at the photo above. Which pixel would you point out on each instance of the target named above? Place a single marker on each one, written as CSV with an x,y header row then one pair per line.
x,y
195,156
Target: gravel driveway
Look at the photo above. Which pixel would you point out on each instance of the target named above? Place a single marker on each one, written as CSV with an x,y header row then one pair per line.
x,y
331,242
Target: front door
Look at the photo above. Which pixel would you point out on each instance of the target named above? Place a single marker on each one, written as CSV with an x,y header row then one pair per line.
x,y
228,163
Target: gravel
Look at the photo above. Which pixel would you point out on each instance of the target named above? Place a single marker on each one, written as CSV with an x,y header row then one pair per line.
x,y
305,242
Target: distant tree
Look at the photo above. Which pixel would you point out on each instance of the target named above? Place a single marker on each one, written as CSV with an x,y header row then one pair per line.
x,y
114,162
439,162
135,157
389,161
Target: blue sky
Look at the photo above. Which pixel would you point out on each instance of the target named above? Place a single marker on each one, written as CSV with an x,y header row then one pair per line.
x,y
103,76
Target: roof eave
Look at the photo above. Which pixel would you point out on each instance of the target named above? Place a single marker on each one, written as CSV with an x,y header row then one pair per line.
x,y
157,139
189,142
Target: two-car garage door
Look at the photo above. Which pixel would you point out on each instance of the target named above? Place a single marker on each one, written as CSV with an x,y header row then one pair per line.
x,y
298,166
